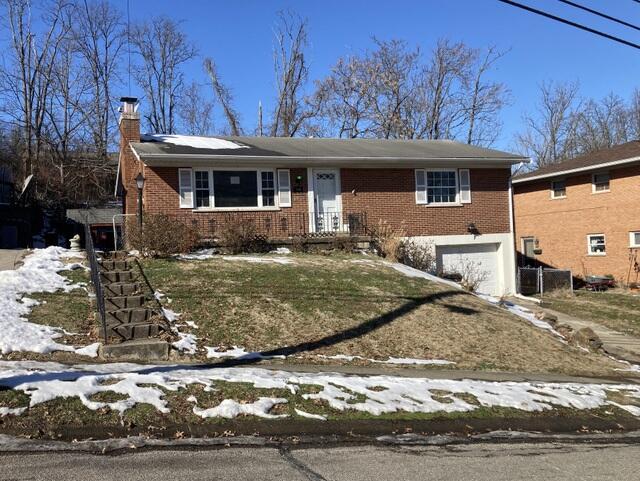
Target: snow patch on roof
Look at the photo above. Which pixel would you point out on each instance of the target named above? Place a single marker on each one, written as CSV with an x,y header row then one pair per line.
x,y
209,143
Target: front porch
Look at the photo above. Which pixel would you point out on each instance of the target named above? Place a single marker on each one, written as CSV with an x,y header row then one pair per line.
x,y
278,227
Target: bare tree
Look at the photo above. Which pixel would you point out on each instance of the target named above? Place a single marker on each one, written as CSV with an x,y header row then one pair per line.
x,y
602,124
224,96
196,111
485,101
163,49
99,37
549,132
342,98
291,71
26,84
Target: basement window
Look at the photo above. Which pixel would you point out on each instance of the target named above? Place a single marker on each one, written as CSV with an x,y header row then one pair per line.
x,y
634,239
596,245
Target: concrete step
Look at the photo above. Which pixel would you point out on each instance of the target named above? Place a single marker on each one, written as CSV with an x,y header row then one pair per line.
x,y
137,330
136,350
113,255
117,289
115,265
118,276
114,303
128,316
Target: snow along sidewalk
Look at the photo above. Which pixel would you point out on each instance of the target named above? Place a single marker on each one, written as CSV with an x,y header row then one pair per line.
x,y
39,273
374,395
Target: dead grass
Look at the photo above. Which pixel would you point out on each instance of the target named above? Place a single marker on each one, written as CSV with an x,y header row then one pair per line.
x,y
616,309
364,309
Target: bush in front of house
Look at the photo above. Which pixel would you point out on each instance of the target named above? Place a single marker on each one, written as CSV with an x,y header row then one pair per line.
x,y
160,236
386,239
241,237
416,254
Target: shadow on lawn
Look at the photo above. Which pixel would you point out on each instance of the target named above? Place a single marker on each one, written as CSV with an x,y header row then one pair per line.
x,y
360,330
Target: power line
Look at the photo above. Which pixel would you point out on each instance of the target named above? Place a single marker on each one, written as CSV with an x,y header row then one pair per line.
x,y
600,14
573,24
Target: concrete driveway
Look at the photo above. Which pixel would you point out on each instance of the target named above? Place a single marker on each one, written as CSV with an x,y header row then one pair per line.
x,y
10,258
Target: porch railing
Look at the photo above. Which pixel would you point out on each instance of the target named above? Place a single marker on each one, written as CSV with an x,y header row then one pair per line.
x,y
276,225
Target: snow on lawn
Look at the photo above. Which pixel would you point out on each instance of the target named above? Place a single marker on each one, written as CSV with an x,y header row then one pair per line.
x,y
237,353
193,141
199,255
376,395
187,342
39,273
260,259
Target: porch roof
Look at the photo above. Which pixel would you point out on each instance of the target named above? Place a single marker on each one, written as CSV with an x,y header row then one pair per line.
x,y
160,150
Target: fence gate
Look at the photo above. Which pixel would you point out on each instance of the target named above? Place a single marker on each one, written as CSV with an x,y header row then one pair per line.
x,y
540,280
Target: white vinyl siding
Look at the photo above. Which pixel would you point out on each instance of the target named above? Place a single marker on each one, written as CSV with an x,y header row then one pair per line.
x,y
284,188
186,188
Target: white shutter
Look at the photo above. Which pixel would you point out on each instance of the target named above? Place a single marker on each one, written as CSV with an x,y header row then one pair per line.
x,y
421,187
465,186
284,188
186,188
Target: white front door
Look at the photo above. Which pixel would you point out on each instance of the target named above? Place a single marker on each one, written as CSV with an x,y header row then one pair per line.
x,y
326,211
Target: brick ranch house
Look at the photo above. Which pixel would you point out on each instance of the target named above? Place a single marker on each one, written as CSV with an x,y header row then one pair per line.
x,y
454,196
582,214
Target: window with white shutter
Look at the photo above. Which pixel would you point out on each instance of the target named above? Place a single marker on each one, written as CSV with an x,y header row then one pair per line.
x,y
186,188
465,186
284,188
421,187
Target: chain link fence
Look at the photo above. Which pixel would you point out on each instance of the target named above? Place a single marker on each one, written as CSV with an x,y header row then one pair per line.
x,y
540,280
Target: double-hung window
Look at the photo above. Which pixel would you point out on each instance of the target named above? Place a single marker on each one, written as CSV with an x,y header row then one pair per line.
x,y
596,245
441,186
203,194
558,189
600,183
234,189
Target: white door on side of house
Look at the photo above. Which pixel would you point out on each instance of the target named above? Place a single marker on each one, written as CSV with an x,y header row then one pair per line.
x,y
479,261
325,189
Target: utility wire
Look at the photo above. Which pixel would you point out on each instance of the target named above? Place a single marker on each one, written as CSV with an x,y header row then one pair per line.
x,y
600,14
573,24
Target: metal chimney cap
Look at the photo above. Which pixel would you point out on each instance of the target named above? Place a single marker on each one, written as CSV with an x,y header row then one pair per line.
x,y
128,99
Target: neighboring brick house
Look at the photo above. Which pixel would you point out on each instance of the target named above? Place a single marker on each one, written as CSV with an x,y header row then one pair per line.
x,y
582,214
454,196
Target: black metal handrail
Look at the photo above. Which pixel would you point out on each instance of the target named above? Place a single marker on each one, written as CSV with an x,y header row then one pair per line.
x,y
275,225
96,281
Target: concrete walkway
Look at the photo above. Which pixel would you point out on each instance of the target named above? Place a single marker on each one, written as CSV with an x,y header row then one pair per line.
x,y
618,344
10,258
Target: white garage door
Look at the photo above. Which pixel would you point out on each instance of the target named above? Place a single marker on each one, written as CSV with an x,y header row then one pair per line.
x,y
481,259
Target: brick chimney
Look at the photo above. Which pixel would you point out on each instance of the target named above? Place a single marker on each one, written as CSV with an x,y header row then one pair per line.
x,y
130,166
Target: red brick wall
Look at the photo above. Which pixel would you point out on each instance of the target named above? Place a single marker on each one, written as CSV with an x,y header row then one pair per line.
x,y
162,196
389,195
384,194
562,225
129,164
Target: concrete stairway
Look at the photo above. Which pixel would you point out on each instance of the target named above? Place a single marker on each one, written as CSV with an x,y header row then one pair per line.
x,y
129,310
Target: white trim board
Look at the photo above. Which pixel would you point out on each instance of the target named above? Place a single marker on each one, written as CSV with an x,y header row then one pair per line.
x,y
600,166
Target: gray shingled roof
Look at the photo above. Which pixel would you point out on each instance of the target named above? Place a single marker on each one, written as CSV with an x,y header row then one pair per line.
x,y
584,163
321,149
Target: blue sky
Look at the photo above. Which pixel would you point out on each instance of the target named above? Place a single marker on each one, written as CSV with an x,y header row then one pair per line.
x,y
238,36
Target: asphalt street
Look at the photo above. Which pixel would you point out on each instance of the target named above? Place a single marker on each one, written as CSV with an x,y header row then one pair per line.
x,y
496,462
